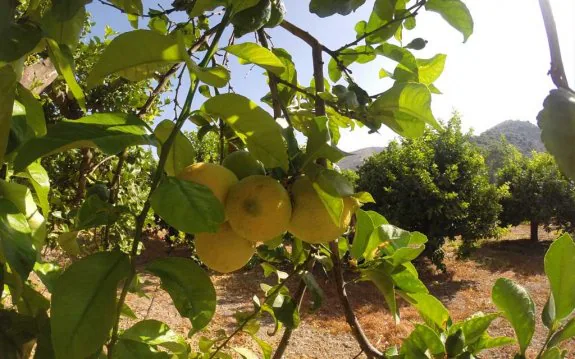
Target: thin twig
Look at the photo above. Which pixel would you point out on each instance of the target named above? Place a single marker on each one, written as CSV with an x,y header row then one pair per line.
x,y
100,163
557,70
273,81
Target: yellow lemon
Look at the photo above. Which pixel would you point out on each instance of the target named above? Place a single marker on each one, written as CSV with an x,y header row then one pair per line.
x,y
224,251
258,208
217,178
310,220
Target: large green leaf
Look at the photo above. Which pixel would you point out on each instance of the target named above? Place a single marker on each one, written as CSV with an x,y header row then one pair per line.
x,y
559,262
422,340
188,206
429,307
149,52
133,7
95,212
110,132
475,327
16,244
65,70
407,68
405,277
430,69
31,302
155,333
7,89
182,152
67,9
39,179
256,127
557,123
286,93
189,286
18,40
34,111
369,239
84,304
128,349
455,12
252,53
382,14
518,307
405,108
381,277
333,204
22,198
64,32
552,353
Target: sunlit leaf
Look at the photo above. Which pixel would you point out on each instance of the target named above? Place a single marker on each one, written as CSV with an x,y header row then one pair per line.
x,y
252,53
65,70
182,152
455,12
559,260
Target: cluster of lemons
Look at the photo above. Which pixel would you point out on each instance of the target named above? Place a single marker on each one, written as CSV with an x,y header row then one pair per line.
x,y
259,209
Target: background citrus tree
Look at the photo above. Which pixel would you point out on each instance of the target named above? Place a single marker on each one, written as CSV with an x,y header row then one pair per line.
x,y
59,95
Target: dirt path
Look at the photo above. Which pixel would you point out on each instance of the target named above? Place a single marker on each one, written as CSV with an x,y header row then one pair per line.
x,y
465,289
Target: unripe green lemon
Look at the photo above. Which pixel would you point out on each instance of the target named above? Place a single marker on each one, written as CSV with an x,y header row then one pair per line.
x,y
243,164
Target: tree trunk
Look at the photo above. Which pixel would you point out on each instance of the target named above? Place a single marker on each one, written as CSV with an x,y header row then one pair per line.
x,y
534,231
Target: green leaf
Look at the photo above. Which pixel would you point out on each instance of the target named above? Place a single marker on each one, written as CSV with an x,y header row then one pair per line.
x,y
217,76
16,243
363,229
128,312
518,307
204,90
31,302
487,342
382,14
48,274
552,353
34,111
421,340
548,315
405,108
557,123
254,126
84,304
383,281
67,9
39,179
201,6
64,32
155,333
429,307
95,212
182,152
325,8
188,206
68,242
429,70
286,93
455,12
252,53
331,181
455,343
566,332
559,262
475,327
318,142
65,70
149,52
333,204
189,286
7,89
405,277
18,40
110,132
133,7
128,349
22,198
314,288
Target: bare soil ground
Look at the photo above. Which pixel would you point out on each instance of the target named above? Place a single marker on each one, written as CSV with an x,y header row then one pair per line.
x,y
464,289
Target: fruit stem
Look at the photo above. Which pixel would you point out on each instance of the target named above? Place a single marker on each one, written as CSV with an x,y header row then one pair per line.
x,y
165,150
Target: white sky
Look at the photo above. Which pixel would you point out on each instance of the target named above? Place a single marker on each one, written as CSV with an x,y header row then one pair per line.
x,y
499,74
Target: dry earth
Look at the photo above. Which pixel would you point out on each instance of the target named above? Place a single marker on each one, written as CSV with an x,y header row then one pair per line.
x,y
464,289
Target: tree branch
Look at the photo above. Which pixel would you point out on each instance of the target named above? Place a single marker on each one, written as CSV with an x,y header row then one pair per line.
x,y
557,70
364,343
272,78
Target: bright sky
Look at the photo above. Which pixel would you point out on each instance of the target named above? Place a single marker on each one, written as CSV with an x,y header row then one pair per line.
x,y
499,74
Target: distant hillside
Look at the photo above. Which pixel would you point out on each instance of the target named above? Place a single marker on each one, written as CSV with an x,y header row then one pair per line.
x,y
357,157
522,134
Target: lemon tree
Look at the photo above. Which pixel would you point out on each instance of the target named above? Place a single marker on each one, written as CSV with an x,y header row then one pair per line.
x,y
281,197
